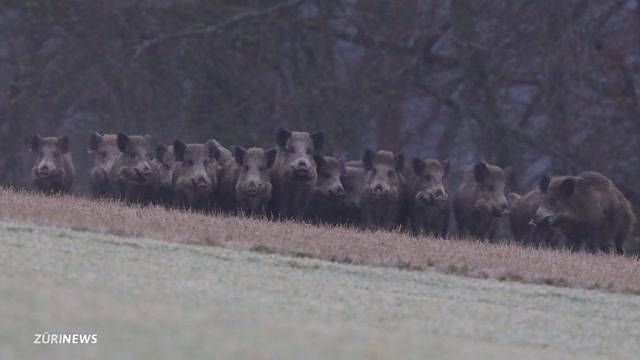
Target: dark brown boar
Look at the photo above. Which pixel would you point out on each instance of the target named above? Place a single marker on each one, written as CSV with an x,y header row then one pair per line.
x,y
53,171
428,200
353,180
104,149
589,210
132,177
522,211
245,186
382,198
328,203
294,173
480,201
163,165
195,175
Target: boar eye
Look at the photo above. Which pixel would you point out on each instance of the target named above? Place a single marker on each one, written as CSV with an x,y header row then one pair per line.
x,y
132,155
309,150
263,168
245,168
103,154
56,153
374,171
391,173
428,177
291,150
188,162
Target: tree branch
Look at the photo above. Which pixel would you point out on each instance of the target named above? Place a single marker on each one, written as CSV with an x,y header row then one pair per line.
x,y
216,28
360,38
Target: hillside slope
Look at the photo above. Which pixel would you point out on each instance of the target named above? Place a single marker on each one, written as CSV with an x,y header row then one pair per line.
x,y
152,299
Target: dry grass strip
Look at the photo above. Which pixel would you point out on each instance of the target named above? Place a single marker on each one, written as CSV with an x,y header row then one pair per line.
x,y
462,257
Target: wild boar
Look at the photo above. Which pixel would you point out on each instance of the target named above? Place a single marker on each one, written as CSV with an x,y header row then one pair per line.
x,y
163,165
53,171
480,201
589,210
382,198
428,201
353,181
245,186
522,211
328,200
132,177
195,175
104,149
294,173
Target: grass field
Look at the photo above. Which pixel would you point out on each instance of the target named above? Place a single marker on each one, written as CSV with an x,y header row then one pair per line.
x,y
157,300
464,257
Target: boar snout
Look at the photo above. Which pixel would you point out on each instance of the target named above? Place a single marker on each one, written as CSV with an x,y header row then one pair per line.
x,y
542,218
541,221
201,184
252,191
439,196
43,170
145,170
99,175
501,210
379,191
432,197
254,188
302,169
337,192
142,173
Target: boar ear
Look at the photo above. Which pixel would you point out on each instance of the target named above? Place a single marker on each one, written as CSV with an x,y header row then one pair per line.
x,y
94,141
214,151
179,148
318,141
238,153
367,159
568,187
343,166
543,184
445,168
123,141
320,161
63,143
481,172
513,198
282,136
36,140
161,151
399,162
271,156
418,165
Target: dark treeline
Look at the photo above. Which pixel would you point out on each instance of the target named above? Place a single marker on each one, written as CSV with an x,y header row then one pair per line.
x,y
541,87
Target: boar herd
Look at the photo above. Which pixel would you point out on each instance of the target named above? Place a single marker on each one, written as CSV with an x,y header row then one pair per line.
x,y
381,191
